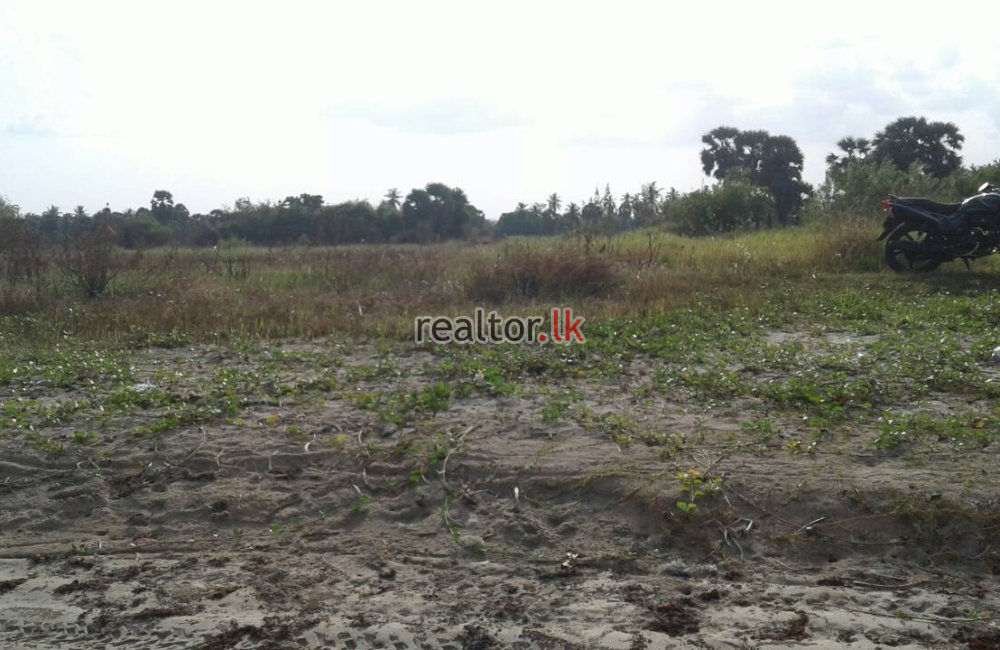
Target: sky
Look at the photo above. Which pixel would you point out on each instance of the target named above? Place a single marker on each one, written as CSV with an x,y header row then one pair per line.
x,y
105,102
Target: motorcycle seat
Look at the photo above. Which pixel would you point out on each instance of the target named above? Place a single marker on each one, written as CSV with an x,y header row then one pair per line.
x,y
945,209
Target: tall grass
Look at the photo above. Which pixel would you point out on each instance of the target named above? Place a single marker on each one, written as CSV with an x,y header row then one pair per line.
x,y
179,295
523,271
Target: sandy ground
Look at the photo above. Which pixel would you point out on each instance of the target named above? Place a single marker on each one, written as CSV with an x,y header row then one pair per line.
x,y
236,533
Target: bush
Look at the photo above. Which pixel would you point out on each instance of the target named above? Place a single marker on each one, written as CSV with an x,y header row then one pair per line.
x,y
968,181
728,206
521,272
861,186
89,257
204,236
141,232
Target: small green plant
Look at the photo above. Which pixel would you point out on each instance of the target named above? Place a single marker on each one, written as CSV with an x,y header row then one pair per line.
x,y
670,445
359,504
395,407
433,398
85,437
494,380
960,429
44,444
363,372
795,446
622,430
555,410
694,486
716,383
437,452
762,428
454,530
338,441
890,438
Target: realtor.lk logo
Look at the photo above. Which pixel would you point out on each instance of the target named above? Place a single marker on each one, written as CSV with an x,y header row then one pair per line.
x,y
492,328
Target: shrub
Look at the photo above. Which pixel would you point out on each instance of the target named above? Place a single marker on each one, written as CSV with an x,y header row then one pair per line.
x,y
90,259
203,236
728,206
861,186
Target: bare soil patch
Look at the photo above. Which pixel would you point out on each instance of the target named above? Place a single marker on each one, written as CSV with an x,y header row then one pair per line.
x,y
307,517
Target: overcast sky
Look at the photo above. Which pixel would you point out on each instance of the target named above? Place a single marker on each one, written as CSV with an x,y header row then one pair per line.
x,y
105,102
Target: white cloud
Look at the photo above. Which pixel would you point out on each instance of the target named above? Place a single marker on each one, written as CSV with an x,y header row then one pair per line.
x,y
32,125
444,116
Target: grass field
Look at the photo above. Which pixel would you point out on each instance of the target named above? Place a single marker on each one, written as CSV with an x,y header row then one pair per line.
x,y
375,291
766,440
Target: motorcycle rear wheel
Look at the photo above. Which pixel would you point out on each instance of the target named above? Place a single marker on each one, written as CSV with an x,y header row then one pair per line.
x,y
910,250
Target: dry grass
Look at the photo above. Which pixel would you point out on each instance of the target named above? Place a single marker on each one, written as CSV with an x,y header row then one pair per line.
x,y
522,272
182,295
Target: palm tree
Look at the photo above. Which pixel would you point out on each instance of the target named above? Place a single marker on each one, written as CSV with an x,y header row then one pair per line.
x,y
651,193
554,203
392,198
648,203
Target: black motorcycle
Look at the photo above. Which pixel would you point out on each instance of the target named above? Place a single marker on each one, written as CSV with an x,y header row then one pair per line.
x,y
921,234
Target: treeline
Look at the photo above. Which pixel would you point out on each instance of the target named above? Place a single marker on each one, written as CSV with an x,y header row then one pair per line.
x,y
760,184
434,213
